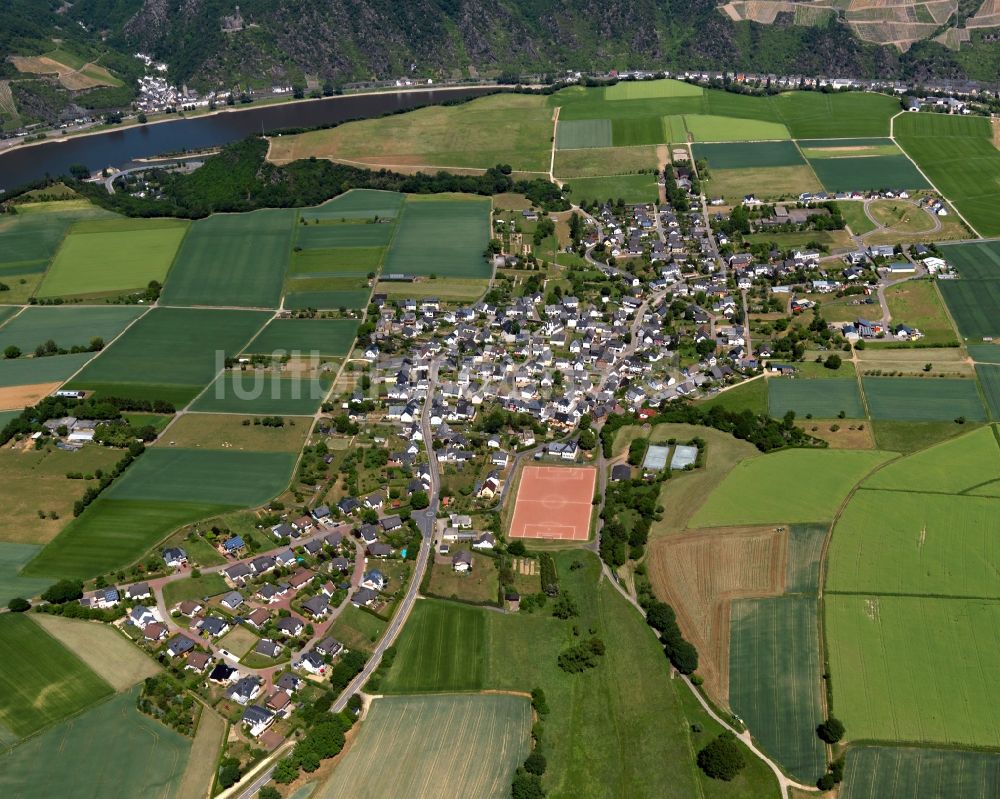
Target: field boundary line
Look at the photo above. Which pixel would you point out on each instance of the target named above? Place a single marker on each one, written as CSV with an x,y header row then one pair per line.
x,y
892,135
960,597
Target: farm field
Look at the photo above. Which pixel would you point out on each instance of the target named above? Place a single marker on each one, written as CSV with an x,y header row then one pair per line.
x,y
919,773
214,431
906,437
711,128
771,182
325,336
112,741
233,260
436,137
910,668
441,237
262,392
425,737
36,481
922,399
984,353
701,572
42,681
651,714
67,326
751,155
820,398
181,342
918,304
648,89
31,239
847,148
989,379
575,134
335,261
950,361
923,544
12,584
638,131
35,371
348,294
630,188
570,164
801,498
113,256
958,156
973,298
774,679
868,173
240,479
102,648
112,534
950,467
357,204
337,235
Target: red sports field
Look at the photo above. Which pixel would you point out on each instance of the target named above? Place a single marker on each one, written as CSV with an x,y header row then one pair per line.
x,y
554,502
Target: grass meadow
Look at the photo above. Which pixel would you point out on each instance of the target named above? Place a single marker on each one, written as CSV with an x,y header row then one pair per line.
x,y
571,164
915,668
918,304
171,347
112,742
194,588
441,237
649,714
630,188
228,431
111,534
233,260
113,256
68,326
916,399
42,682
774,679
783,487
425,737
777,182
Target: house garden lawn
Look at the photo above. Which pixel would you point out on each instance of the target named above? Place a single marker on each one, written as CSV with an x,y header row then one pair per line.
x,y
917,303
357,204
112,534
922,544
217,477
352,235
798,485
345,261
600,161
917,399
950,467
774,679
68,326
441,237
42,681
437,137
906,437
214,431
608,730
481,585
914,668
113,256
750,395
35,480
855,216
749,155
630,188
425,737
324,336
358,629
770,182
208,585
263,392
169,351
101,647
872,173
112,743
233,260
239,641
12,584
819,398
919,773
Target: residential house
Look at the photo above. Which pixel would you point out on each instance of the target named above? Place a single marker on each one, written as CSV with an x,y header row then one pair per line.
x,y
257,719
244,690
462,562
179,645
175,557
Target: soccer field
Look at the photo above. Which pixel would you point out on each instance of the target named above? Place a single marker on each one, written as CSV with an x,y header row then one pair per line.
x,y
113,256
441,237
441,747
233,260
68,326
41,682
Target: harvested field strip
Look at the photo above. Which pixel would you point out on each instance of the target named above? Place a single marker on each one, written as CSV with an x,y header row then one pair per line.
x,y
199,773
442,747
701,573
107,652
18,398
923,544
41,682
774,679
915,668
805,546
919,773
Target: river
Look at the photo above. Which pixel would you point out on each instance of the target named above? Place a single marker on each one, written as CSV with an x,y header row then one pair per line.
x,y
120,147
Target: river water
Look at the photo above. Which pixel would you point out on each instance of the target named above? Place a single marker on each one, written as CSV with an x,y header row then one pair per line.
x,y
119,147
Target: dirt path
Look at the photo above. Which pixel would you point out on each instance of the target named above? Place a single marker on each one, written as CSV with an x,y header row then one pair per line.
x,y
552,157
